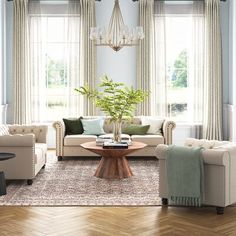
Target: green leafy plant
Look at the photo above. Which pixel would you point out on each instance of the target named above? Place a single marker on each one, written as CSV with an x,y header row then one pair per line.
x,y
114,99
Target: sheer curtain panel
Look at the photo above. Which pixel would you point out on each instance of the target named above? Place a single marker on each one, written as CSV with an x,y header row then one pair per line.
x,y
159,82
55,29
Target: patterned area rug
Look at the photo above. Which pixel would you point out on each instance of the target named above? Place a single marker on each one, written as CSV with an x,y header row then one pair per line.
x,y
71,182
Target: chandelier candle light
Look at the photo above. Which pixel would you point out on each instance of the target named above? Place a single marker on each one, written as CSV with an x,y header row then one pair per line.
x,y
118,34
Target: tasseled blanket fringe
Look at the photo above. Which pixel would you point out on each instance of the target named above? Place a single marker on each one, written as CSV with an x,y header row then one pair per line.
x,y
186,201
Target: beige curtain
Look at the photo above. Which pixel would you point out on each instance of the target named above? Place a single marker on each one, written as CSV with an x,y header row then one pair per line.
x,y
87,51
145,55
212,122
21,78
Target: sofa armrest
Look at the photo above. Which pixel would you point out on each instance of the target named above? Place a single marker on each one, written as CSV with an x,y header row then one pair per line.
x,y
40,131
210,156
60,133
167,129
17,140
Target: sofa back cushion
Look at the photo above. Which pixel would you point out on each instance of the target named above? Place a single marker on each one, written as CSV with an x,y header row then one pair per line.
x,y
136,129
155,123
4,130
93,126
73,126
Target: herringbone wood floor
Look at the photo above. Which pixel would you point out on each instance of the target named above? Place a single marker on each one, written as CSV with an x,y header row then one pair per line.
x,y
96,221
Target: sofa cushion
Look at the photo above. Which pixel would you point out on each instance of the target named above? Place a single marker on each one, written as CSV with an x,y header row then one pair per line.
x,y
150,140
73,126
76,140
155,123
4,130
136,129
93,127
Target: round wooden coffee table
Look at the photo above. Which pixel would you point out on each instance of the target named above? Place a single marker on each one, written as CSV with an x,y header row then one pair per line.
x,y
113,164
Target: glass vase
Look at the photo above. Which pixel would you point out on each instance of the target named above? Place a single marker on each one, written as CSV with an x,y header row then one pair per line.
x,y
117,131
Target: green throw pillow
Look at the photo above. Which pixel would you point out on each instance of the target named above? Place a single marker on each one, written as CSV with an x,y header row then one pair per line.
x,y
136,129
73,126
93,127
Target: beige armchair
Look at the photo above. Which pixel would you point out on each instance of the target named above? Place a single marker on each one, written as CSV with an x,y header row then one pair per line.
x,y
219,172
28,142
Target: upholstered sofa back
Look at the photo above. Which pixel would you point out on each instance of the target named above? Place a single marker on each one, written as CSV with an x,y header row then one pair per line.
x,y
207,144
40,131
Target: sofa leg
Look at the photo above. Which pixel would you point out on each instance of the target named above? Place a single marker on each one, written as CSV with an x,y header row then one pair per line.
x,y
164,201
59,158
29,181
44,166
220,210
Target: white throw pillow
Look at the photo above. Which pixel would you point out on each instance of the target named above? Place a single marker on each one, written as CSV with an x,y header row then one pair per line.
x,y
155,124
4,130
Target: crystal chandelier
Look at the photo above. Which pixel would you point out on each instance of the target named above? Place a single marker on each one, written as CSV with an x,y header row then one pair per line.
x,y
118,34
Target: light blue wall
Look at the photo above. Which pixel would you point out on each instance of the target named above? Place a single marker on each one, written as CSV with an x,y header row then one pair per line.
x,y
2,64
121,65
1,51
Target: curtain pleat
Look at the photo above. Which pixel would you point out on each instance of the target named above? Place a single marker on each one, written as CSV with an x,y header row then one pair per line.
x,y
87,51
145,54
212,122
21,79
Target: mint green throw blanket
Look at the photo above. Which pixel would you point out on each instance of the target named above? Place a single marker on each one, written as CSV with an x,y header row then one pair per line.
x,y
185,176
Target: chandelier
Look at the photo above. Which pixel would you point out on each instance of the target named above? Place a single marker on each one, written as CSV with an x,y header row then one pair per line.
x,y
118,34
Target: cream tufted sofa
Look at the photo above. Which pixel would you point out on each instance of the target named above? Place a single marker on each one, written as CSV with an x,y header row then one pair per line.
x,y
69,145
219,172
28,142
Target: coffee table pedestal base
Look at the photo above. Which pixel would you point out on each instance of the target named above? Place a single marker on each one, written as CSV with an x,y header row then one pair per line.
x,y
113,168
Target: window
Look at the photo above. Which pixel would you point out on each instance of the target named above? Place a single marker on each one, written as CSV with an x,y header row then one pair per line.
x,y
179,60
178,49
54,64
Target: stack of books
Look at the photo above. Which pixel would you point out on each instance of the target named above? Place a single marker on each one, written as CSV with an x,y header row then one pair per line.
x,y
126,140
101,141
111,145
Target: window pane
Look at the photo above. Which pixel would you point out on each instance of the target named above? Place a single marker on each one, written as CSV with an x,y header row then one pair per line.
x,y
53,94
178,44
